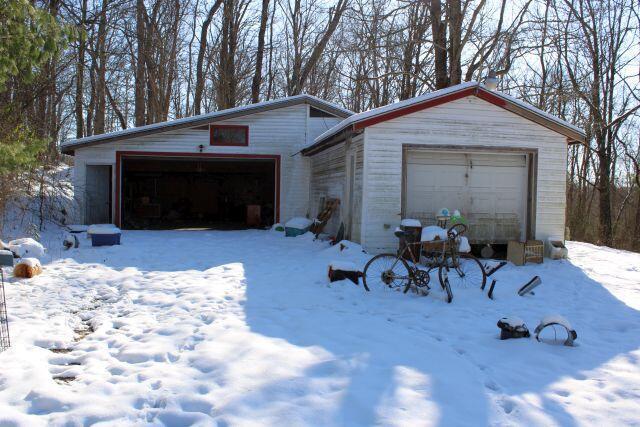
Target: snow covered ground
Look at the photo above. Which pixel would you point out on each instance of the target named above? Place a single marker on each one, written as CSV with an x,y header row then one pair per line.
x,y
243,328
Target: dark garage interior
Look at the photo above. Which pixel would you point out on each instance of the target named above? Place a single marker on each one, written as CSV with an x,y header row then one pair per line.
x,y
216,193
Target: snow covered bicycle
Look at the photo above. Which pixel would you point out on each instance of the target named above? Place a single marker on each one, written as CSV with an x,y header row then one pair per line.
x,y
393,271
460,269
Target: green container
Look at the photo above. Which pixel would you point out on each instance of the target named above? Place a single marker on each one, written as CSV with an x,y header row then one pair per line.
x,y
293,232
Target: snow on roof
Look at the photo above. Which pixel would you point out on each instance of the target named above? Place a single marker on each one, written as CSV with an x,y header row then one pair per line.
x,y
359,117
70,145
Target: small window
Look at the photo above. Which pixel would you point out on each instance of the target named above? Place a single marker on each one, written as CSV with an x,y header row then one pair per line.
x,y
229,135
315,112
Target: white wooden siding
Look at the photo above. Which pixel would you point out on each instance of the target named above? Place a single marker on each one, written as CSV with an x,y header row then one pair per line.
x,y
465,122
357,147
329,180
277,132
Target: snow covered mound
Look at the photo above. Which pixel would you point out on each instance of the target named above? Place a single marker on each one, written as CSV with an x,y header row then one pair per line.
x,y
26,247
410,222
300,223
30,262
103,229
343,265
249,332
433,232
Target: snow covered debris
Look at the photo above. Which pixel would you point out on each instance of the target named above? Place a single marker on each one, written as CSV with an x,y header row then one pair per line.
x,y
26,247
78,228
556,318
433,232
512,321
410,222
103,229
30,262
249,333
343,265
300,223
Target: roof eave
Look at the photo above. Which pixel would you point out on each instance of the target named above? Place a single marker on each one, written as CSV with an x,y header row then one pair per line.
x,y
69,148
573,136
336,139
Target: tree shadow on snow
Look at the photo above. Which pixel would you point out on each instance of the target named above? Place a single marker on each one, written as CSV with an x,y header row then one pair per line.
x,y
397,352
387,357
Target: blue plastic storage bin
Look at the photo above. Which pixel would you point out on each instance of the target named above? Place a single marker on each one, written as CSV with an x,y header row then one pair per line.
x,y
105,239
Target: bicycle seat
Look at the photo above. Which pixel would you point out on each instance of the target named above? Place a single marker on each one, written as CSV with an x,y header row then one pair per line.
x,y
399,233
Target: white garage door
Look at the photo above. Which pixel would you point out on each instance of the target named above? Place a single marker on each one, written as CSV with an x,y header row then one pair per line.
x,y
490,190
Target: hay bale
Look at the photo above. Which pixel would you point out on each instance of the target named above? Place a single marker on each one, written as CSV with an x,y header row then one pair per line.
x,y
27,268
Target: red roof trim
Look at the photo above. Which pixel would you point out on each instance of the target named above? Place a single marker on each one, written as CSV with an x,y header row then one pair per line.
x,y
414,108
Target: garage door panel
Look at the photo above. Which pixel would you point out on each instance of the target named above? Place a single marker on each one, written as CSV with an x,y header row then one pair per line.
x,y
489,190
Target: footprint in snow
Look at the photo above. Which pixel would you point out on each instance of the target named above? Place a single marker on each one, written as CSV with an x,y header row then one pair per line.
x,y
508,406
492,385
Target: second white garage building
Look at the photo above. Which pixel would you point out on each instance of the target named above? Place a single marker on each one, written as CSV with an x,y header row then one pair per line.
x,y
500,161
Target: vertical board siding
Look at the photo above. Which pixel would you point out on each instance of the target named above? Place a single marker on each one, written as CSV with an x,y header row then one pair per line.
x,y
468,121
327,182
282,131
357,147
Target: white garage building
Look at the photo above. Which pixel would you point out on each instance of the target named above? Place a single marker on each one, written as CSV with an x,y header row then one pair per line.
x,y
209,171
500,161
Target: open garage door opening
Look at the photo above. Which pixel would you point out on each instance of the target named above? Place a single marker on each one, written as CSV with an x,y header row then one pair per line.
x,y
214,193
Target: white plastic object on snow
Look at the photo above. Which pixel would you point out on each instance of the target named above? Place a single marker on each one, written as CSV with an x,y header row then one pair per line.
x,y
103,229
26,247
343,266
558,249
299,222
464,245
433,232
410,222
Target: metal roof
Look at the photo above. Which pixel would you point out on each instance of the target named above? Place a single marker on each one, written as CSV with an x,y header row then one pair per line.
x,y
69,146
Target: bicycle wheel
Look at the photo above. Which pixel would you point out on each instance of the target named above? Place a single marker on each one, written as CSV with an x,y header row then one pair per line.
x,y
385,270
464,270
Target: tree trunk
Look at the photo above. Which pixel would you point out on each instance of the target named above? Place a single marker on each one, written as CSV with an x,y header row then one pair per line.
x,y
319,48
439,30
200,78
257,76
82,46
454,17
140,110
636,230
101,68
